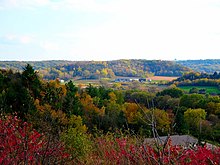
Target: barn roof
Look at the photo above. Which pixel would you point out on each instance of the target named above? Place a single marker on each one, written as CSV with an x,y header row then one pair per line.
x,y
181,140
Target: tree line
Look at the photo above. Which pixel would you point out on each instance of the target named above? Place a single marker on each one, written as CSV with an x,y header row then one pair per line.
x,y
198,79
99,69
207,66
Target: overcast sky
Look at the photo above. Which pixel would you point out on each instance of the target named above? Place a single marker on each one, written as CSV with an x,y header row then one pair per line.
x,y
109,29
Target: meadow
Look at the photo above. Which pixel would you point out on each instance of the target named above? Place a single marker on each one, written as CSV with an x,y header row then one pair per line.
x,y
209,89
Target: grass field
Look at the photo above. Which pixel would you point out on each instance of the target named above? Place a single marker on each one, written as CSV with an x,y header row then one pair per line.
x,y
209,89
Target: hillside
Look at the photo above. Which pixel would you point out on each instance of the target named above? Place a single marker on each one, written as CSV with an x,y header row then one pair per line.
x,y
208,66
98,69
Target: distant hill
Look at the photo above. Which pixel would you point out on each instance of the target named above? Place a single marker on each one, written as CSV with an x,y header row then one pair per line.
x,y
19,65
100,69
208,66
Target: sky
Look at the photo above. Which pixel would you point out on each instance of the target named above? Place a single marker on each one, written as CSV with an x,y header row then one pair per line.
x,y
109,29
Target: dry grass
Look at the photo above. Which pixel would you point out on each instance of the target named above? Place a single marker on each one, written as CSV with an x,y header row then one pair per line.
x,y
162,78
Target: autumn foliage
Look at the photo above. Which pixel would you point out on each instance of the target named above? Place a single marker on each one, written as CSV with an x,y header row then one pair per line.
x,y
20,143
121,151
53,123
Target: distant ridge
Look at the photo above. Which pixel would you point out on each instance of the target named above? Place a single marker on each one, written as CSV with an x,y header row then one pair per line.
x,y
207,65
65,69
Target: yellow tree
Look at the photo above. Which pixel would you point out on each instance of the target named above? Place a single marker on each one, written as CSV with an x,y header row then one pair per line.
x,y
48,120
104,72
97,73
131,112
92,114
162,121
89,106
158,120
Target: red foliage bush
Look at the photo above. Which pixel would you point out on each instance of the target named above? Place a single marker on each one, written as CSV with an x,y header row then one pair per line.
x,y
121,152
20,143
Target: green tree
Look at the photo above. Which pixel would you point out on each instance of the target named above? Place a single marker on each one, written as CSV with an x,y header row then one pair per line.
x,y
192,101
71,103
194,117
141,97
180,125
114,117
173,92
31,81
17,98
53,94
76,139
162,101
193,90
86,73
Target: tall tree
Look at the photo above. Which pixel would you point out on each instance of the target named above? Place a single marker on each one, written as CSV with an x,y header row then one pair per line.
x,y
71,103
31,81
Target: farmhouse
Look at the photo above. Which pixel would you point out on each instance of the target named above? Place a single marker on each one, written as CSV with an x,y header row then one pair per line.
x,y
142,79
176,140
128,79
123,80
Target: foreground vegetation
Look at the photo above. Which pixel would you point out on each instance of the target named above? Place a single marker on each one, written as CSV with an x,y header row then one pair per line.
x,y
48,122
21,144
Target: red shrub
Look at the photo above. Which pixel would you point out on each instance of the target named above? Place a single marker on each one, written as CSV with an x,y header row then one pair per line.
x,y
20,143
122,152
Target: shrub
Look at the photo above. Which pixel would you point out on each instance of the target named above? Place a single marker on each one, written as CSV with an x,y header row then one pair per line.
x,y
21,144
76,139
122,151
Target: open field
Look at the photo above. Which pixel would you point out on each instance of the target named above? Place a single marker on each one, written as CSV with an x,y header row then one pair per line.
x,y
209,89
96,81
156,83
88,81
162,78
152,78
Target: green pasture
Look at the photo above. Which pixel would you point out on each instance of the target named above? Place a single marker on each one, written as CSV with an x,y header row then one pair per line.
x,y
209,89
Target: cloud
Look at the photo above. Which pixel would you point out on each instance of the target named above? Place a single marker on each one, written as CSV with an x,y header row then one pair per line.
x,y
134,29
7,4
152,29
77,5
49,46
25,39
16,39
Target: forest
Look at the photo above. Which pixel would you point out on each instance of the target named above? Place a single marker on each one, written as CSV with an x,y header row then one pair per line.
x,y
199,79
206,66
48,122
66,70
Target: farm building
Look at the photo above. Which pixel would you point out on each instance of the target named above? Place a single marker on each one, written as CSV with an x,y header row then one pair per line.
x,y
176,140
124,79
